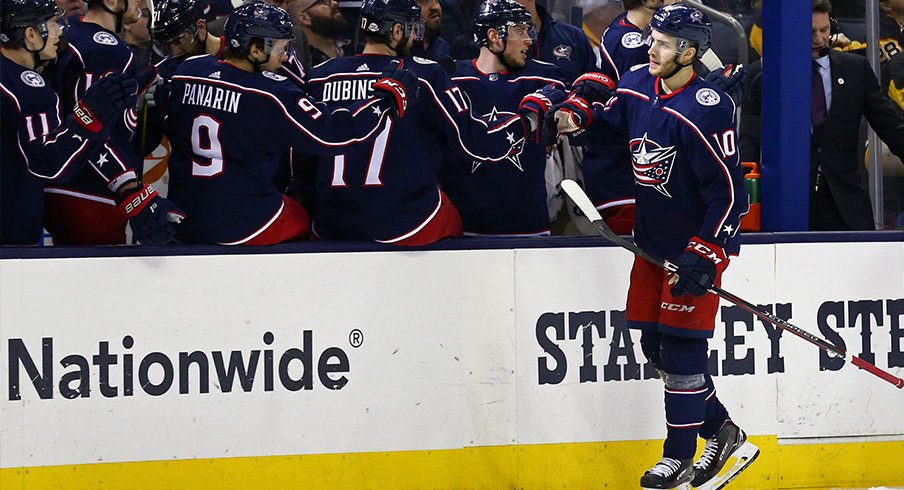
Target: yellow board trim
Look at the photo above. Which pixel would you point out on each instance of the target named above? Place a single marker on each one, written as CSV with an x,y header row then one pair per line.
x,y
616,465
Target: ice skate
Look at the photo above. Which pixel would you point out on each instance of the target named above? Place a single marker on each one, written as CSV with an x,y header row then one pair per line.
x,y
669,473
729,444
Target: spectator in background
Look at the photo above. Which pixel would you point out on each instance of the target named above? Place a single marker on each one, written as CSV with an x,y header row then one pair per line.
x,y
323,25
212,10
432,47
891,28
458,27
844,90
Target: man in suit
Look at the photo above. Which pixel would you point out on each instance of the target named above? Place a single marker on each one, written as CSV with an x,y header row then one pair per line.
x,y
844,90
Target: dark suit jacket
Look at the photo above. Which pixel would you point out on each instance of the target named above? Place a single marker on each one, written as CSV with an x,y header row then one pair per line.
x,y
855,93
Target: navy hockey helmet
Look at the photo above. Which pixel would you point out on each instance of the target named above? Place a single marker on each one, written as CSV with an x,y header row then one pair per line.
x,y
171,18
16,15
378,17
687,24
257,19
499,15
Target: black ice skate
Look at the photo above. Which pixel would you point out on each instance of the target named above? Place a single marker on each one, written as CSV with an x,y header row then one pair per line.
x,y
668,473
730,443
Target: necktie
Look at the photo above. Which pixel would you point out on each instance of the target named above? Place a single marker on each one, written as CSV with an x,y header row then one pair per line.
x,y
820,114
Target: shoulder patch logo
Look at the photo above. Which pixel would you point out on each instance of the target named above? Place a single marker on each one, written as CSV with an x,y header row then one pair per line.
x,y
32,79
708,97
562,51
273,76
104,37
423,61
632,40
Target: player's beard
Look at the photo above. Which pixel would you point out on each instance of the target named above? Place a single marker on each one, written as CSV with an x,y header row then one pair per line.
x,y
403,49
332,27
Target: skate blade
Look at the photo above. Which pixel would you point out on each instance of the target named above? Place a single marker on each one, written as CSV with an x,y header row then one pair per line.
x,y
743,457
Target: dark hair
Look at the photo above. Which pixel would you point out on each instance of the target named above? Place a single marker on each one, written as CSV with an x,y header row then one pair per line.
x,y
822,6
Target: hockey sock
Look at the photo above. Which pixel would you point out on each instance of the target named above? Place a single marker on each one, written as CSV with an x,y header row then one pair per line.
x,y
684,413
716,413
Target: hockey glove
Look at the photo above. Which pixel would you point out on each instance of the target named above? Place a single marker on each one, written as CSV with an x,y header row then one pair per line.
x,y
732,80
573,116
146,78
594,87
697,268
157,95
102,102
396,85
534,106
150,216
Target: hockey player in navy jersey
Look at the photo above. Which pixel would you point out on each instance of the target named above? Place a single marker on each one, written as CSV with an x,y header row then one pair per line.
x,y
690,199
84,211
230,121
608,179
507,198
43,144
388,191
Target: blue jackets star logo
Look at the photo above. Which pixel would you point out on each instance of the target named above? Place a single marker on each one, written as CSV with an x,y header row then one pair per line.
x,y
495,116
652,163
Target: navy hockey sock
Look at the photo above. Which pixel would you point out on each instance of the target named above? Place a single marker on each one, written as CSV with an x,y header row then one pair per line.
x,y
716,413
684,413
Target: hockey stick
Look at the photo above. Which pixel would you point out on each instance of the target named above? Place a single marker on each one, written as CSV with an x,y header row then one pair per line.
x,y
577,195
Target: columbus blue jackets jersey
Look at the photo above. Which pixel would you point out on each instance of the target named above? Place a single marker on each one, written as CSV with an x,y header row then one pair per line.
x,y
94,52
37,147
228,129
565,46
608,179
506,198
685,162
622,48
387,191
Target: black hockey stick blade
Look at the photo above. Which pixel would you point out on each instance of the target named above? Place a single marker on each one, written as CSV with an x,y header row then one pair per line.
x,y
576,194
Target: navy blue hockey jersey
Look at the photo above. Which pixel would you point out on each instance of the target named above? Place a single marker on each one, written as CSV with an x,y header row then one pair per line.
x,y
685,161
565,46
388,191
228,129
507,198
608,179
37,148
93,53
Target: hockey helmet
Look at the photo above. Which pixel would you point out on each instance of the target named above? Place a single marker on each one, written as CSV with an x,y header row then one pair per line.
x,y
685,23
500,15
378,17
257,19
173,17
16,15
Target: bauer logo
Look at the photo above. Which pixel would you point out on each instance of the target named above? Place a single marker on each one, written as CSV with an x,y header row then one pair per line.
x,y
126,368
591,346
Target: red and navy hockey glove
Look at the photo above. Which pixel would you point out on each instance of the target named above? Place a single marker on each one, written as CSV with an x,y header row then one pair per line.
x,y
104,100
594,87
573,115
732,80
534,106
150,216
697,268
397,85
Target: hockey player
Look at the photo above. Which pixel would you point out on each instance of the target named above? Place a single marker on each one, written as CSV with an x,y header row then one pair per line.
x,y
690,198
41,144
508,198
388,191
230,121
84,210
607,166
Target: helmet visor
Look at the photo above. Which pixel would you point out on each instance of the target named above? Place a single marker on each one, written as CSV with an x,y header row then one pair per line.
x,y
415,29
